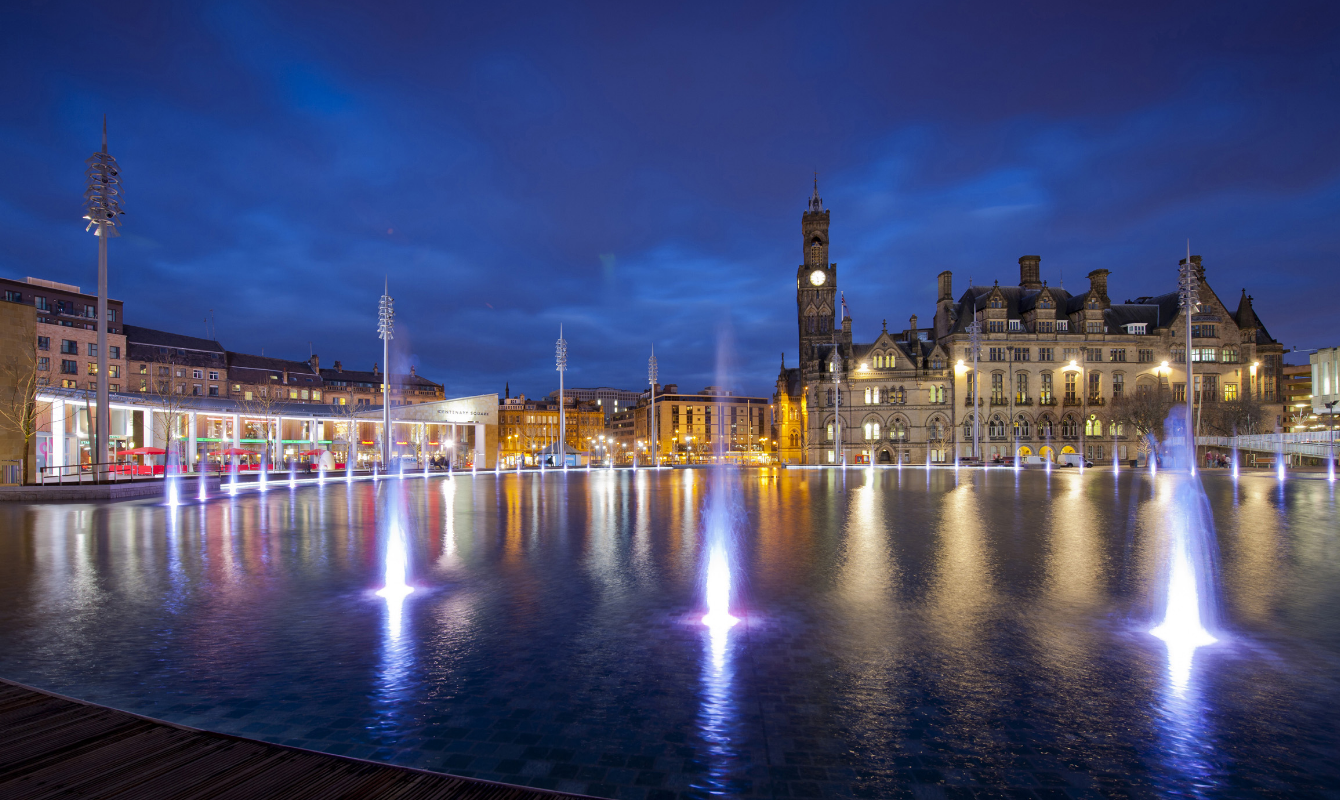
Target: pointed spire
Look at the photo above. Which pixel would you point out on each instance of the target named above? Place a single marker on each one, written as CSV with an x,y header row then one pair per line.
x,y
816,202
104,133
783,360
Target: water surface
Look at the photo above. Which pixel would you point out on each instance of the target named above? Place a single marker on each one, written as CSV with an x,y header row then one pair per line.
x,y
902,633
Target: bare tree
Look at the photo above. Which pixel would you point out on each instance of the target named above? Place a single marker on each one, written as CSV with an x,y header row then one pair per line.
x,y
20,410
263,404
1232,417
1144,414
169,409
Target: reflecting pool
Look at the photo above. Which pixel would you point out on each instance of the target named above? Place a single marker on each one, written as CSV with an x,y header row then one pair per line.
x,y
895,634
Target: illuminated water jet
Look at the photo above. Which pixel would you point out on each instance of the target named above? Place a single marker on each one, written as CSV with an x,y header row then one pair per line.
x,y
1190,585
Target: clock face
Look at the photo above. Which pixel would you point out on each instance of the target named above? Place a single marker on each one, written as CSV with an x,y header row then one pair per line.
x,y
818,277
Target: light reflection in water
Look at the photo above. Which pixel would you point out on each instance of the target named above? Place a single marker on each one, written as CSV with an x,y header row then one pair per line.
x,y
1189,581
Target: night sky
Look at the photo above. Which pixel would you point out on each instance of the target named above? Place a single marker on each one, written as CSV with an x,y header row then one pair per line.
x,y
637,171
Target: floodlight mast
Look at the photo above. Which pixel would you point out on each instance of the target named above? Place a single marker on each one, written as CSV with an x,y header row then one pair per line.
x,y
386,331
651,378
102,206
1189,298
561,364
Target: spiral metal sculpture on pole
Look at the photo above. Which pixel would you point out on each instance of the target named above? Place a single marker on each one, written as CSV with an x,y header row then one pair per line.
x,y
102,207
386,332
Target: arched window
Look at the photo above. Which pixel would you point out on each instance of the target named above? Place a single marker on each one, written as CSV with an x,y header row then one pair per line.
x,y
1045,428
1021,427
936,429
830,397
871,430
997,426
1093,427
937,363
1069,428
830,431
901,395
1229,355
897,430
967,428
1114,430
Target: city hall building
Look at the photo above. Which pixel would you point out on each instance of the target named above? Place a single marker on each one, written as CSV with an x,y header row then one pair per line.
x,y
1046,365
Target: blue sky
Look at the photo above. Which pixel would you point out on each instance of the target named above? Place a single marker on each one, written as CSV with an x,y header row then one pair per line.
x,y
636,172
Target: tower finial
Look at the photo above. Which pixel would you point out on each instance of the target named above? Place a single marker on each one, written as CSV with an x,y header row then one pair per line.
x,y
816,202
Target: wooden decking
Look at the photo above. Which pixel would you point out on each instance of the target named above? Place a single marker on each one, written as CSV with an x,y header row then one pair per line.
x,y
53,746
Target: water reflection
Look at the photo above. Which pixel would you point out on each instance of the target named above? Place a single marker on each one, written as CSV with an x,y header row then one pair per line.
x,y
953,631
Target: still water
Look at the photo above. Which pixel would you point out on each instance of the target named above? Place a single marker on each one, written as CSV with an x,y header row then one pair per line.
x,y
901,633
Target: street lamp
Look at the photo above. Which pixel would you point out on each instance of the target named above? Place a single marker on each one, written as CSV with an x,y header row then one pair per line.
x,y
651,378
102,206
561,360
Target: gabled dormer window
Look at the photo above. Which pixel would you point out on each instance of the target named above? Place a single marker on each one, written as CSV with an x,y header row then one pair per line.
x,y
1045,303
1136,328
996,302
1016,325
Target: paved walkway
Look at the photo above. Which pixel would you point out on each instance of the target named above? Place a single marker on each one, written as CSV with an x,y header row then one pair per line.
x,y
53,746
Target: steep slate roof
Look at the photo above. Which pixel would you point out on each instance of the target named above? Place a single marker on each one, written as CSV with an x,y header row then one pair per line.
x,y
152,338
245,367
366,376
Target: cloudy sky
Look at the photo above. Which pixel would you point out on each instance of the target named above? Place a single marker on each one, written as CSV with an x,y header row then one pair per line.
x,y
636,171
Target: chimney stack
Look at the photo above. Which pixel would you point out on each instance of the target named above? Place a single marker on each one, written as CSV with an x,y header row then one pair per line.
x,y
339,367
1030,273
914,326
946,285
1098,285
316,363
374,369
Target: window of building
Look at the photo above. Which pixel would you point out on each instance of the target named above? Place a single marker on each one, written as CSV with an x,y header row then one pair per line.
x,y
1021,387
871,431
69,347
1229,355
1045,388
1016,325
997,388
1230,392
91,312
997,303
996,428
1179,392
195,390
1146,356
1062,325
213,391
1202,331
1021,427
113,371
13,296
66,383
316,394
1071,354
1093,327
1095,386
42,304
1118,354
1069,428
44,343
43,363
996,354
1093,354
1204,354
69,367
830,431
1136,328
1118,385
213,375
1046,354
111,315
1021,353
995,326
1071,387
1178,354
1045,326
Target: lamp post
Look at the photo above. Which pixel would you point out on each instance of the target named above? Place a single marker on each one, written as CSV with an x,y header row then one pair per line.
x,y
561,362
1188,297
102,205
835,366
386,331
1330,436
651,378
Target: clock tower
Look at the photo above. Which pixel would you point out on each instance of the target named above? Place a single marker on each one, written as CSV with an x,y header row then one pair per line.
x,y
816,282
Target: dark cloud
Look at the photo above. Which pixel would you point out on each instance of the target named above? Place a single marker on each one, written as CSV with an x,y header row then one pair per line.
x,y
636,172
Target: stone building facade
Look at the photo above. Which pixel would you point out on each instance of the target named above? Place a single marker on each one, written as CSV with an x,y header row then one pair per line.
x,y
1048,362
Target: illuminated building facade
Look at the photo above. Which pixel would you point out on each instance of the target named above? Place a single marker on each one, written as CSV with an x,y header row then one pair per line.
x,y
1048,362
